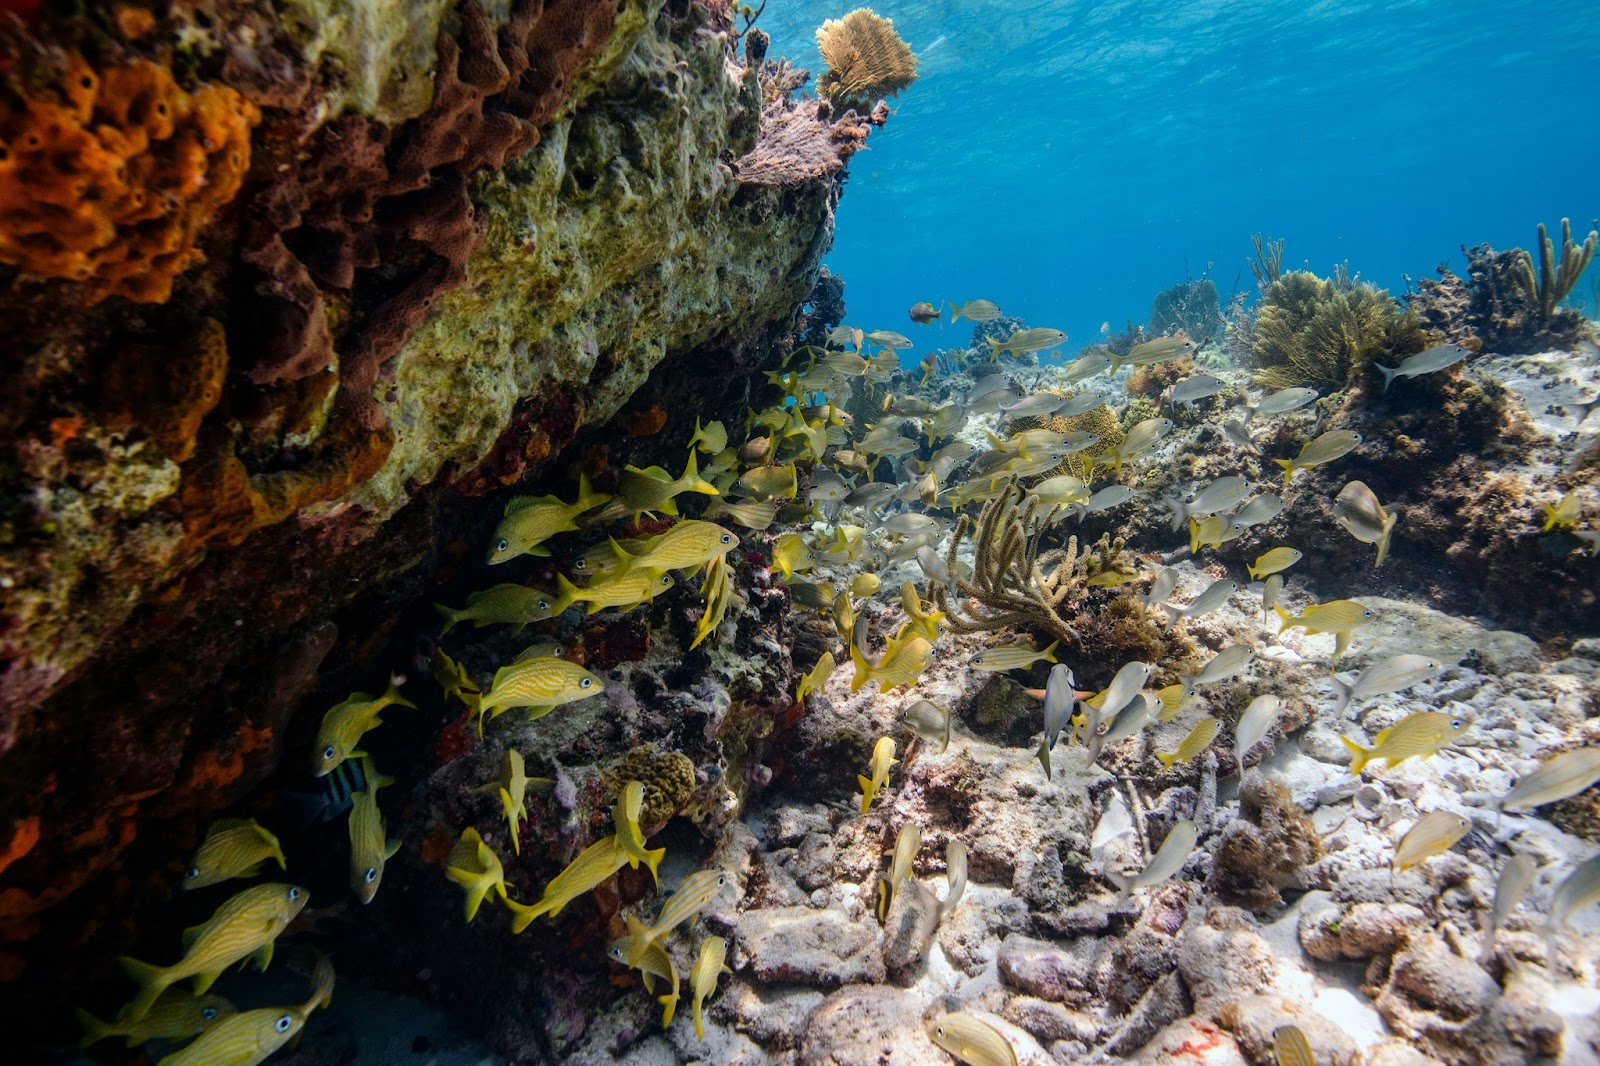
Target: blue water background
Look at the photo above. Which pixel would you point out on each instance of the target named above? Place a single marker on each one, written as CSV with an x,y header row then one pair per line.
x,y
1071,159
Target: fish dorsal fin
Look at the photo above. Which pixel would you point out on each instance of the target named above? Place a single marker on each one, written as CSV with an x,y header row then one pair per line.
x,y
390,849
223,825
522,503
191,934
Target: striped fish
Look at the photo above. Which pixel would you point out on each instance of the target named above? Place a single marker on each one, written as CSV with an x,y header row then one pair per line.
x,y
1516,877
1421,734
593,865
656,963
232,848
540,685
245,925
711,965
332,798
369,846
475,867
1563,776
1291,1048
972,1040
697,890
176,1016
242,1040
1433,834
630,837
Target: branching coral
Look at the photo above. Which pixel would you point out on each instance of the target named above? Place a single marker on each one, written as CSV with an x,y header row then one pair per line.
x,y
866,59
1191,306
1014,582
109,178
1313,331
1554,282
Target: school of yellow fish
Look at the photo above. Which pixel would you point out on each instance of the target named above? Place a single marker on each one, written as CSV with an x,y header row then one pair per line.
x,y
814,488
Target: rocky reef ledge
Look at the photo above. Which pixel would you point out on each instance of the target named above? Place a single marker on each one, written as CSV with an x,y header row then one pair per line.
x,y
294,297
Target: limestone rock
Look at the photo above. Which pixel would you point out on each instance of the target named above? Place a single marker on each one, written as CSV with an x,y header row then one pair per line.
x,y
867,1024
1042,969
799,945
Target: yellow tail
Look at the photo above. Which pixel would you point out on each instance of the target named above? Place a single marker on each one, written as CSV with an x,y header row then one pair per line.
x,y
94,1030
652,859
1288,468
1049,653
1359,756
863,672
1167,760
152,981
523,915
867,792
643,937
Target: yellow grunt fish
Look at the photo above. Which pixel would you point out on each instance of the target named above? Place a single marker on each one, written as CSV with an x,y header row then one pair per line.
x,y
1564,513
791,556
345,724
475,867
656,963
865,585
690,898
243,926
817,679
765,482
1204,732
541,685
1291,1048
1214,532
703,977
1421,734
652,490
1357,509
710,438
1273,562
690,543
626,591
242,1040
1332,445
906,845
531,520
1173,698
974,311
972,1040
516,605
630,837
1432,834
1339,617
902,662
752,514
233,848
882,759
593,866
369,849
176,1015
922,620
512,791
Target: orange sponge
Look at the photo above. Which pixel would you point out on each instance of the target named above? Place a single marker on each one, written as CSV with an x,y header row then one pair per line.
x,y
108,178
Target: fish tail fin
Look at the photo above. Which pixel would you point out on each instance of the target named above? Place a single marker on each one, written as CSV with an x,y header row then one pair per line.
x,y
652,860
863,672
1359,756
670,1003
1388,373
1044,756
566,595
586,494
866,792
699,1026
94,1030
624,560
1284,617
693,482
1049,654
1288,468
642,939
522,914
152,981
1180,511
1124,885
391,695
1194,536
955,312
451,617
1167,759
1383,540
699,434
1173,614
1341,695
995,348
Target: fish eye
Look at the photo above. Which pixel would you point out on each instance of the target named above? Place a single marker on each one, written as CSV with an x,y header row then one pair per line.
x,y
327,752
503,545
194,871
585,683
939,1029
544,605
1367,613
666,579
722,879
284,1023
372,874
294,893
727,538
1455,723
208,1013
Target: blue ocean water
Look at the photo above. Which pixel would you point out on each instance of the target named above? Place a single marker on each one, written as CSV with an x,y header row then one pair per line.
x,y
1071,159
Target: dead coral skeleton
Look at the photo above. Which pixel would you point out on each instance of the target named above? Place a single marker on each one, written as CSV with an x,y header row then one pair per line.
x,y
1015,581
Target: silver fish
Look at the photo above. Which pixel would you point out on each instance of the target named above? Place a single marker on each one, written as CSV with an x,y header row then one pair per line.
x,y
1104,500
1395,674
872,494
1085,366
1234,430
1229,662
909,524
1220,495
933,566
955,874
1281,402
1039,405
1254,724
1133,716
1124,686
1334,444
888,338
1579,890
1357,509
1563,776
1166,580
828,487
1516,877
1061,490
1264,508
1082,403
1168,860
1060,693
1195,387
1215,595
1271,589
1435,359
928,719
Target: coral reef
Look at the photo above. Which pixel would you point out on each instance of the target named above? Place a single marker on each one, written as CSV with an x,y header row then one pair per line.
x,y
108,177
1190,307
1266,849
1506,305
866,60
1311,331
